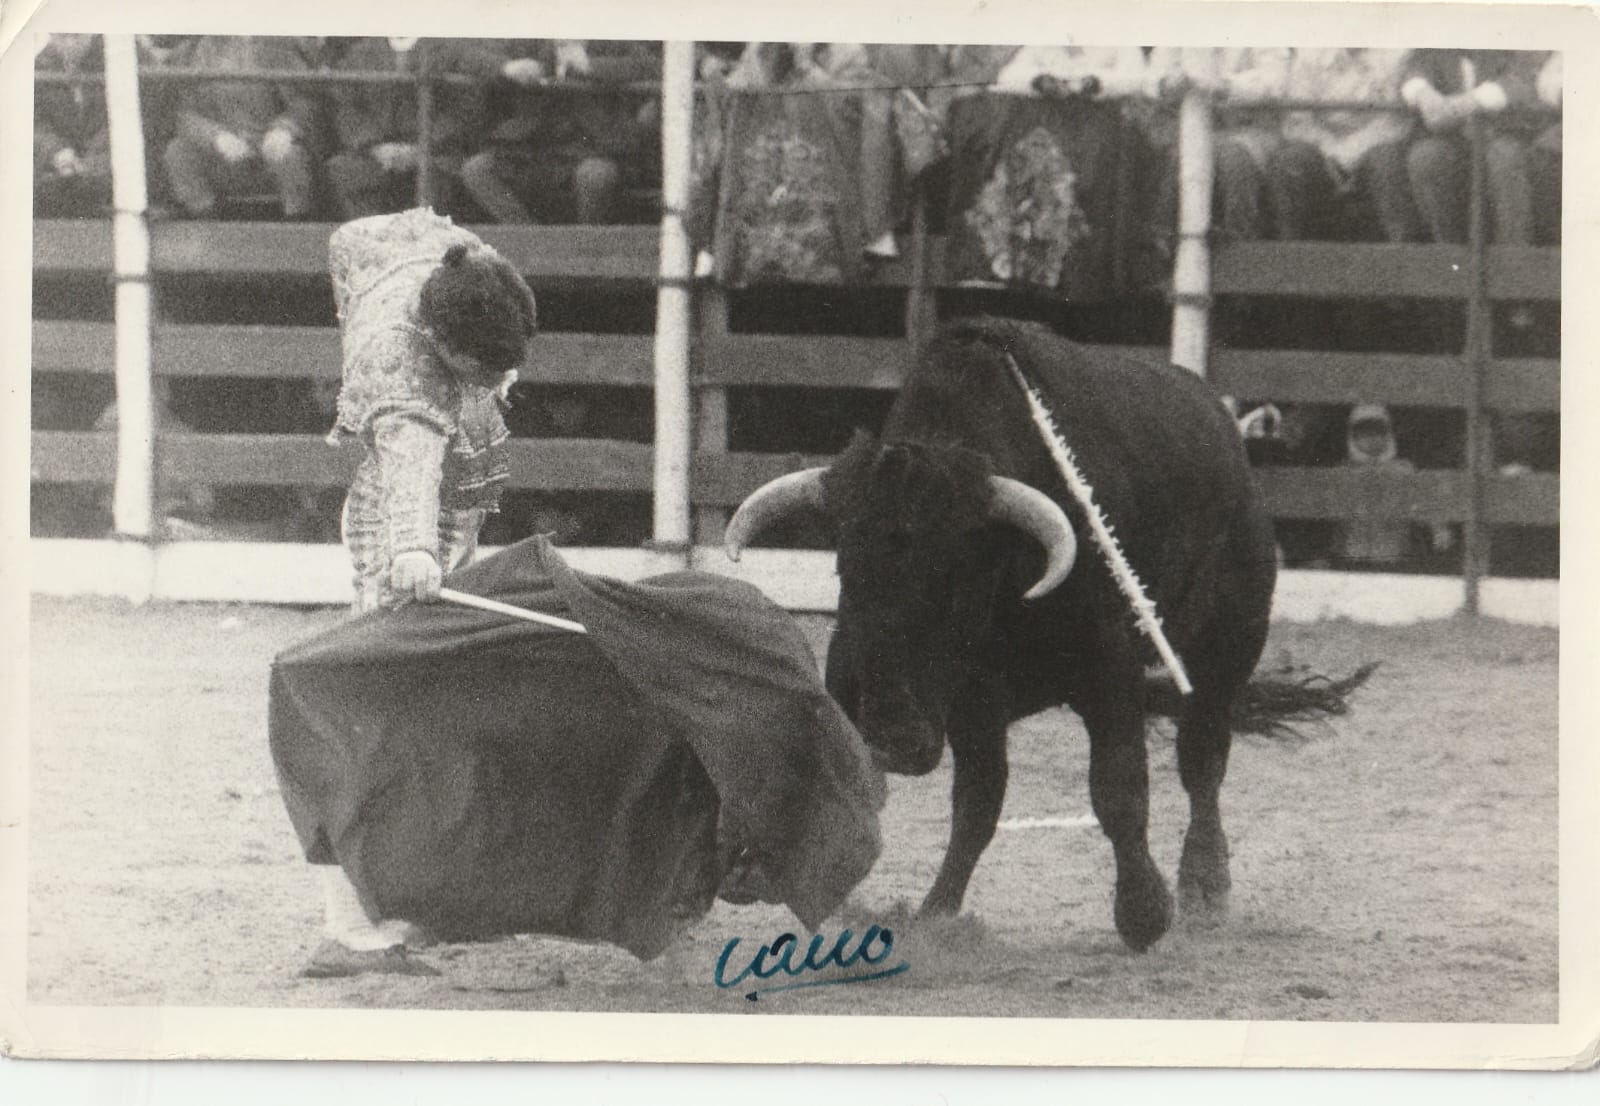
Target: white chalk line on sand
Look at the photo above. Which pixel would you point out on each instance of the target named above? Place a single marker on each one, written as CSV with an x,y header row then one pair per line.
x,y
1053,821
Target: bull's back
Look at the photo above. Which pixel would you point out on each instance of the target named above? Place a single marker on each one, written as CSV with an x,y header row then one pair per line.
x,y
1137,428
1159,450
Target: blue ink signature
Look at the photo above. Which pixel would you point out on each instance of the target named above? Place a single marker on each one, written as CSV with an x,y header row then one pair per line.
x,y
779,956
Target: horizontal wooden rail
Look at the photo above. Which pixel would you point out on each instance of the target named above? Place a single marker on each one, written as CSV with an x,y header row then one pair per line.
x,y
184,349
723,480
796,361
1396,379
1297,493
1368,270
548,253
628,253
788,361
307,460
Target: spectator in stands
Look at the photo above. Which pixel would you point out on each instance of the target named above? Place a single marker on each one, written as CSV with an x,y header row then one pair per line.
x,y
158,105
1265,186
244,138
1356,176
900,135
1545,159
559,158
1446,88
1373,542
1040,171
71,154
373,170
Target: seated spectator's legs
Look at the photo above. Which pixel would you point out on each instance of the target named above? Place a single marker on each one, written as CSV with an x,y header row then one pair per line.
x,y
1239,202
361,186
1510,190
199,176
80,196
1304,196
1439,169
291,170
1241,197
1544,173
595,183
485,178
80,191
1383,180
190,167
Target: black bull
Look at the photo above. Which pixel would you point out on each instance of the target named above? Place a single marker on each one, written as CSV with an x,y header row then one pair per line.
x,y
936,640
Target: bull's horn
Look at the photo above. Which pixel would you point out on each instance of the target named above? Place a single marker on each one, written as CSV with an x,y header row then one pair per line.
x,y
770,502
1036,514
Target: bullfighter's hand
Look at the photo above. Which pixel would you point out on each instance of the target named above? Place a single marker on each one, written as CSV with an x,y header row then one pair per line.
x,y
66,162
507,381
232,148
276,145
523,71
416,574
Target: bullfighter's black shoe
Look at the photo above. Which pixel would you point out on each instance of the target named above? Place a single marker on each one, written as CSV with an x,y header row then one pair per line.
x,y
335,961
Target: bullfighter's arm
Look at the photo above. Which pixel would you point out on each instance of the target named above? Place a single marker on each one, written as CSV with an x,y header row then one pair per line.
x,y
410,449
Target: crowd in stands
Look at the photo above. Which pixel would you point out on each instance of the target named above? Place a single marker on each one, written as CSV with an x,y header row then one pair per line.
x,y
1048,169
1036,134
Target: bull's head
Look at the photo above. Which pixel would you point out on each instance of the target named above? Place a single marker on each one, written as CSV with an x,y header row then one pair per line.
x,y
926,557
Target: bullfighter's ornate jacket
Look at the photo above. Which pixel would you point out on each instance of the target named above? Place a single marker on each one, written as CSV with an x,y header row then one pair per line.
x,y
435,443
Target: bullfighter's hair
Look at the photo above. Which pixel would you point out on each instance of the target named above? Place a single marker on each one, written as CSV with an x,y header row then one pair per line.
x,y
475,303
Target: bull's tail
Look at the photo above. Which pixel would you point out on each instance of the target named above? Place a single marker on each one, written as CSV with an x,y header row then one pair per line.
x,y
1274,703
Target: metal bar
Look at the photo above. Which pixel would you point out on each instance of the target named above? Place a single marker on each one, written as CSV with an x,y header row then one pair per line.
x,y
165,74
1475,531
711,405
922,312
427,188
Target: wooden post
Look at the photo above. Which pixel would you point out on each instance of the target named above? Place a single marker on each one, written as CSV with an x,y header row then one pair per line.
x,y
673,438
711,406
1480,460
1191,271
427,187
922,313
133,499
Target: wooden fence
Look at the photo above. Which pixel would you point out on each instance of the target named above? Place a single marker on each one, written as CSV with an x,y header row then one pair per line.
x,y
625,256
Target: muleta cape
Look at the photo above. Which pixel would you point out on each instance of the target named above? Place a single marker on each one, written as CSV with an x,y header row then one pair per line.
x,y
483,776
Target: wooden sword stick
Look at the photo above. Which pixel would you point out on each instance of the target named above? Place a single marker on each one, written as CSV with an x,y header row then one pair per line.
x,y
467,599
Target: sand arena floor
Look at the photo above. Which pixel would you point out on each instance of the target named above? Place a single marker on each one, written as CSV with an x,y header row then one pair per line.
x,y
1397,865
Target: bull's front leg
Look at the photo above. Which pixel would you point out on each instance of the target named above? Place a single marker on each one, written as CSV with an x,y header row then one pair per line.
x,y
1119,790
977,731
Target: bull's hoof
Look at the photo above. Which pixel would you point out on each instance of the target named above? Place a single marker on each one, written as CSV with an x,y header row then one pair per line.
x,y
1204,901
1203,881
1143,907
939,906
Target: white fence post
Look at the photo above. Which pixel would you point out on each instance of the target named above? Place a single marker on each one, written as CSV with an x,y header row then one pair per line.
x,y
133,511
1191,270
673,408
